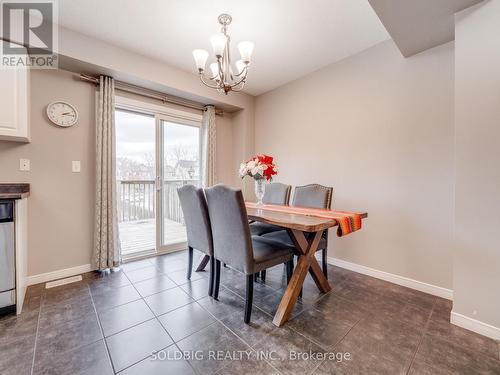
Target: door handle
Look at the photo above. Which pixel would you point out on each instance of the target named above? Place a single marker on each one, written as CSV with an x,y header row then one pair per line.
x,y
158,183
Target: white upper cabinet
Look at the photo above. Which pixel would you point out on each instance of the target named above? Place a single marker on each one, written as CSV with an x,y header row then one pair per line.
x,y
14,104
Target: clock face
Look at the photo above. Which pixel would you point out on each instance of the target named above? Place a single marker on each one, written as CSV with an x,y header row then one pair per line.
x,y
62,114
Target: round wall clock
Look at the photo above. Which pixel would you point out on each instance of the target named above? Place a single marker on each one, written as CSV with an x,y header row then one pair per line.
x,y
62,114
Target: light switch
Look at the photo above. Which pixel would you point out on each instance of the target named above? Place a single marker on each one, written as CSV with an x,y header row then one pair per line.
x,y
24,165
75,166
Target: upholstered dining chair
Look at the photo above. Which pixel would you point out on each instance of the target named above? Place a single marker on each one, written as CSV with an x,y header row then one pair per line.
x,y
275,193
234,245
199,231
311,196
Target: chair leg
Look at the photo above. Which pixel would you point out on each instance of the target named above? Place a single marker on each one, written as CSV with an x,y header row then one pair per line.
x,y
289,271
255,276
263,276
324,258
217,279
190,262
249,298
212,276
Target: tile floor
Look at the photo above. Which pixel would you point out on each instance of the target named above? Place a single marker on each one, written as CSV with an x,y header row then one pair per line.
x,y
138,320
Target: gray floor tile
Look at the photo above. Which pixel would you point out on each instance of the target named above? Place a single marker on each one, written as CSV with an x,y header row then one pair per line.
x,y
136,265
270,302
326,328
155,285
107,281
227,304
382,326
310,292
64,310
252,366
448,356
238,286
374,346
17,349
443,307
72,292
258,330
168,300
411,296
186,320
419,367
15,326
196,289
17,339
66,337
143,274
180,277
35,290
124,316
137,343
463,337
215,337
173,265
360,363
88,360
104,300
162,363
285,343
399,309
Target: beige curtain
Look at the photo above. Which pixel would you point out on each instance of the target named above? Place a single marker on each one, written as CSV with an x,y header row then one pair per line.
x,y
107,252
208,149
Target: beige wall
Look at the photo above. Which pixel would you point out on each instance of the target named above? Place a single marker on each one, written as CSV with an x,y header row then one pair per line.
x,y
61,205
379,129
476,271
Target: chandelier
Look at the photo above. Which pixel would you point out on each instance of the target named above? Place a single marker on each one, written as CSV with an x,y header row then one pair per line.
x,y
223,78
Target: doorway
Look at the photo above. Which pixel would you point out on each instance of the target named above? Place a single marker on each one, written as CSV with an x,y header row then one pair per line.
x,y
156,153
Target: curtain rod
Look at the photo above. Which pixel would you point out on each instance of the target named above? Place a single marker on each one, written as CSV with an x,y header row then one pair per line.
x,y
133,89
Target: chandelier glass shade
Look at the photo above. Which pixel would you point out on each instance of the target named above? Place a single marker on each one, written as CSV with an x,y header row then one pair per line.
x,y
223,75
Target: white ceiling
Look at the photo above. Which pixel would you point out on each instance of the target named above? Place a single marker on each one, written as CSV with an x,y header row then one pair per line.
x,y
292,37
416,26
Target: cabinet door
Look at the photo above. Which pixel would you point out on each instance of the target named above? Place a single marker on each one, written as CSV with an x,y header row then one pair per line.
x,y
14,104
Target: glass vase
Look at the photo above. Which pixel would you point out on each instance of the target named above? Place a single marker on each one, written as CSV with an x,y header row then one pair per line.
x,y
260,189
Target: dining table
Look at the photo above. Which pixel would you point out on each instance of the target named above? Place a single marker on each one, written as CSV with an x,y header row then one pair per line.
x,y
305,227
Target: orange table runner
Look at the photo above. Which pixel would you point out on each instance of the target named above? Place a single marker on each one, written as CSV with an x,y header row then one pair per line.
x,y
348,221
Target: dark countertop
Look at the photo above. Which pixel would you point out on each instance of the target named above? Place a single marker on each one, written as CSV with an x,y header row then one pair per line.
x,y
14,191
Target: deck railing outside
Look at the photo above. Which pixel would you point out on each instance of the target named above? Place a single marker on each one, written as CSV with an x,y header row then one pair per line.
x,y
137,199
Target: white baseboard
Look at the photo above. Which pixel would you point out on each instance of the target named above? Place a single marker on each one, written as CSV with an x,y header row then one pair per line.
x,y
396,279
475,325
59,274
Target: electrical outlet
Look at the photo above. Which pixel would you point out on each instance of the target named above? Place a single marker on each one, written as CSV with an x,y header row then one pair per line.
x,y
76,166
24,165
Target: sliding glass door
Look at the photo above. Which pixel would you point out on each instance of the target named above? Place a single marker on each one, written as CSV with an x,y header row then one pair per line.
x,y
155,155
135,174
179,165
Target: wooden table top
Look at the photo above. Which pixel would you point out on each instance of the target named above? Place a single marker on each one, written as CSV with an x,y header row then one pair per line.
x,y
302,222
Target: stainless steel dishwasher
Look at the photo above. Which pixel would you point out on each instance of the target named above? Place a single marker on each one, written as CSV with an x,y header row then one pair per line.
x,y
7,258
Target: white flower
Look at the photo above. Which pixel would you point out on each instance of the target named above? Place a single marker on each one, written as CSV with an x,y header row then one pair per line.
x,y
243,169
251,164
257,170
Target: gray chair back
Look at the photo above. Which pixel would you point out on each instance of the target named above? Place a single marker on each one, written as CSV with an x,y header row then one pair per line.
x,y
196,218
313,195
277,193
230,229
